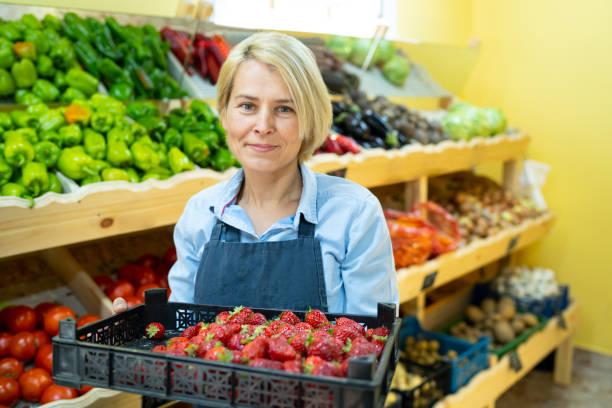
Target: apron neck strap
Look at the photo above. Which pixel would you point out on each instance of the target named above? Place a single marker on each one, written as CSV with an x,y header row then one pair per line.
x,y
306,229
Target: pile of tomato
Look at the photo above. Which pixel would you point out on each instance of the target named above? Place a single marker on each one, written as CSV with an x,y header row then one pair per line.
x,y
134,278
26,353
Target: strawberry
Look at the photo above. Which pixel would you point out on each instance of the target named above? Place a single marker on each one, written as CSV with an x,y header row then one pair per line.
x,y
265,363
326,348
303,326
191,331
379,342
206,347
155,331
342,333
219,353
159,349
317,366
222,317
316,318
293,366
257,319
255,349
240,315
233,328
270,329
286,330
176,352
300,341
359,347
344,321
344,367
280,350
379,331
177,343
289,317
198,340
220,333
237,357
235,342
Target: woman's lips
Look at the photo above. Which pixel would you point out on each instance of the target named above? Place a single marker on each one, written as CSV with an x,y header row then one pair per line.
x,y
262,148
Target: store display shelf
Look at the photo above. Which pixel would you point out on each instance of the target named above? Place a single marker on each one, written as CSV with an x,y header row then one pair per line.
x,y
112,208
100,398
413,280
487,386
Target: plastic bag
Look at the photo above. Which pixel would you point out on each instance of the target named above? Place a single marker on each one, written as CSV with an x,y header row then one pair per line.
x,y
412,238
447,236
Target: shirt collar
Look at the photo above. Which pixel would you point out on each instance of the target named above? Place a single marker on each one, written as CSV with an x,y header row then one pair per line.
x,y
308,199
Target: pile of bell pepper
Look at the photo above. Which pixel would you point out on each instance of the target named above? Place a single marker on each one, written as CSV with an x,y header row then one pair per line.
x,y
38,63
130,60
101,139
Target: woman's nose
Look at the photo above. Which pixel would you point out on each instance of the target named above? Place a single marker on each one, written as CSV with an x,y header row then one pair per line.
x,y
264,122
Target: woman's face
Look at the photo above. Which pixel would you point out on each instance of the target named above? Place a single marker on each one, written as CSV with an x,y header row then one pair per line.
x,y
261,120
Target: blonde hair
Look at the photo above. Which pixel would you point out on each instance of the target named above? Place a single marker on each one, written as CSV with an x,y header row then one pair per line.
x,y
297,66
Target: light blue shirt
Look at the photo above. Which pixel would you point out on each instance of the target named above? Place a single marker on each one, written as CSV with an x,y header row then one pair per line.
x,y
349,223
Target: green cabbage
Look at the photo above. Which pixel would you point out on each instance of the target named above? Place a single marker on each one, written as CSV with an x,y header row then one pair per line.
x,y
456,126
359,51
497,120
340,45
384,52
396,70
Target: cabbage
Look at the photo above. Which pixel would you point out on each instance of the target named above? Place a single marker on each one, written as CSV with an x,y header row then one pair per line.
x,y
384,52
340,45
457,106
497,120
359,51
477,121
456,126
396,70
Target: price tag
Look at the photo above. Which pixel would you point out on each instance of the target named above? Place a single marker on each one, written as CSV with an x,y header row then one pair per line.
x,y
515,361
513,243
338,173
429,280
562,322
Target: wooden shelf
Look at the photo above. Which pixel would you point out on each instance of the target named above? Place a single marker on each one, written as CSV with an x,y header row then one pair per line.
x,y
100,398
113,208
475,255
487,386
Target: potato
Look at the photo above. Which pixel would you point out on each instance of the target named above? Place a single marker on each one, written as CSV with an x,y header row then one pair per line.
x,y
506,309
529,319
503,332
474,314
488,306
518,325
489,322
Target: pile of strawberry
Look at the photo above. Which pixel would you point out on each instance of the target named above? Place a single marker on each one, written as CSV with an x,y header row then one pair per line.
x,y
315,346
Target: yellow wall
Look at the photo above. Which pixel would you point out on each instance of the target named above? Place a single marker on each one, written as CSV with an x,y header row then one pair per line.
x,y
148,7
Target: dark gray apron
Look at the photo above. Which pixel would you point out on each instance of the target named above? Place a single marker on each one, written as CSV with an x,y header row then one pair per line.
x,y
274,275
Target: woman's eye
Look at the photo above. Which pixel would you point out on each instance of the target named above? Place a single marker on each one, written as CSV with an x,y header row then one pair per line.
x,y
285,109
246,106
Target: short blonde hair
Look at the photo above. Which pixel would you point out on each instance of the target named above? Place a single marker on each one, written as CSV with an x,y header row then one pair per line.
x,y
297,66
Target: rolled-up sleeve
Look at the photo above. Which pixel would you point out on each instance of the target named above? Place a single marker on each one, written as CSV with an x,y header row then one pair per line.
x,y
368,271
181,278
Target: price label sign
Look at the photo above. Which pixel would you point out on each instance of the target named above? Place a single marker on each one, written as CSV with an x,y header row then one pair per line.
x,y
515,361
429,280
562,322
338,173
512,243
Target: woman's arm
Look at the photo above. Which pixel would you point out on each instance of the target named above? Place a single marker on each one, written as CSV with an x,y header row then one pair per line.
x,y
368,270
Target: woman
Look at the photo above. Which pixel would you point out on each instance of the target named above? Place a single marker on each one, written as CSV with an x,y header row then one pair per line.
x,y
278,235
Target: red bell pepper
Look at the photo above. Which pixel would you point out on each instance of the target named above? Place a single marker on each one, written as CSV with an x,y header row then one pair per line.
x,y
223,46
346,143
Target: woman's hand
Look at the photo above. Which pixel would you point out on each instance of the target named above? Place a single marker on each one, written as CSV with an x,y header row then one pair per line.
x,y
119,305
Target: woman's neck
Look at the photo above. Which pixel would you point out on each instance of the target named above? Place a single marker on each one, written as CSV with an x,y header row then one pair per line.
x,y
271,190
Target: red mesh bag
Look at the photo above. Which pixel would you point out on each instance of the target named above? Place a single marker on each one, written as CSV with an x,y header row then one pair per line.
x,y
448,236
412,238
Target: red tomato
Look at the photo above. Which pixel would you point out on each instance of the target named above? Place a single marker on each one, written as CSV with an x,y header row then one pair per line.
x,y
21,318
162,269
57,392
5,341
53,317
148,260
41,338
11,367
33,383
104,282
23,346
9,391
44,358
127,271
86,319
3,315
144,276
169,256
140,293
121,288
132,301
163,282
85,389
41,310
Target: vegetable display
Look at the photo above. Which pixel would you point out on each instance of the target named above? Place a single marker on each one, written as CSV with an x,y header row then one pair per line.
x,y
464,121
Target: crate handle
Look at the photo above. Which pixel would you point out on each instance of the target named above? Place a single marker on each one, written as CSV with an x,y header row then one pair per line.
x,y
67,328
386,314
362,367
157,296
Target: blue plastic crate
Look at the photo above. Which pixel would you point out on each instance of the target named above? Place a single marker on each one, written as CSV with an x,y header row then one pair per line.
x,y
547,307
472,358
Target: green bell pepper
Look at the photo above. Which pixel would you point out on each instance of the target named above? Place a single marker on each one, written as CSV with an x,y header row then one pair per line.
x,y
45,90
99,165
91,180
62,54
137,110
37,109
59,80
70,94
35,178
71,135
173,138
50,136
94,143
75,163
116,29
102,39
102,121
5,122
155,126
39,39
202,111
111,72
45,67
75,27
31,22
15,189
51,35
54,184
52,120
157,173
108,104
23,119
24,73
118,134
10,31
154,42
138,130
118,154
52,22
178,161
87,56
133,176
81,80
7,57
17,150
218,128
195,149
6,171
47,153
144,156
222,160
122,91
28,133
7,85
210,138
113,174
24,97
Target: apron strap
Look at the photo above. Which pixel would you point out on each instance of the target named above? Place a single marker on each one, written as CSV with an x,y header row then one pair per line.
x,y
216,232
305,229
230,234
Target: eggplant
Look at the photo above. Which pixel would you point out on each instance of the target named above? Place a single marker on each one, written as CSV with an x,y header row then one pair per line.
x,y
378,126
338,108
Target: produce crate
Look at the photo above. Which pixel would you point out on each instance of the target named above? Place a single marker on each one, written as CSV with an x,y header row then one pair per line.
x,y
471,359
113,353
436,384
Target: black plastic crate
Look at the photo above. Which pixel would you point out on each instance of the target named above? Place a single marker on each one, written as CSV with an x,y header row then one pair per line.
x,y
113,353
435,385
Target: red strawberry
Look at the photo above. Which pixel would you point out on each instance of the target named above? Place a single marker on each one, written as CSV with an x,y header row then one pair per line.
x,y
344,321
359,347
240,315
289,317
206,346
191,331
300,341
293,366
220,333
316,318
159,349
235,342
237,357
176,352
317,366
270,329
303,326
379,331
177,343
233,328
155,331
280,350
219,353
222,317
265,363
321,333
255,349
257,319
326,348
286,330
344,367
342,333
379,342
